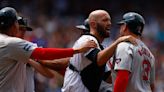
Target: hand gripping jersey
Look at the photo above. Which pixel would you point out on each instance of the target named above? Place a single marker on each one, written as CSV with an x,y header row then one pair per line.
x,y
14,54
139,61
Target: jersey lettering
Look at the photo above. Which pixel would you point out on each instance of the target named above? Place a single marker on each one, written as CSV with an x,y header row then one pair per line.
x,y
146,70
144,51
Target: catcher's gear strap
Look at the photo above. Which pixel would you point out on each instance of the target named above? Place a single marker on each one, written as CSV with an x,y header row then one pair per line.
x,y
72,68
92,75
101,47
93,55
106,75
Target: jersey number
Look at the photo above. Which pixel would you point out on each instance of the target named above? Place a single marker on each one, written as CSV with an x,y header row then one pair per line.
x,y
146,70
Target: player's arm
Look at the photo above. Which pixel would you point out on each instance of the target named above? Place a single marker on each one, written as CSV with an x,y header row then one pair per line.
x,y
41,69
104,55
57,64
121,81
122,65
56,53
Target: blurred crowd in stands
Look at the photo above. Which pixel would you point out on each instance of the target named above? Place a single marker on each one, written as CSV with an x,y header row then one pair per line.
x,y
54,21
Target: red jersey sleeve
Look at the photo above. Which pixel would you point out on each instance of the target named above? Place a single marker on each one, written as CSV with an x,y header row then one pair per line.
x,y
51,53
121,81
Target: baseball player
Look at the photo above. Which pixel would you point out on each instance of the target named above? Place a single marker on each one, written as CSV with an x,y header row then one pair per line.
x,y
29,85
134,69
106,84
84,73
16,52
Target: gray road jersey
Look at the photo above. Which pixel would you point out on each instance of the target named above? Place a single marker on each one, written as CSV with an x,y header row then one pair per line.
x,y
14,54
29,85
139,61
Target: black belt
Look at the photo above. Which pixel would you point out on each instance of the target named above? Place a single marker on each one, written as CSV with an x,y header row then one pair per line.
x,y
72,68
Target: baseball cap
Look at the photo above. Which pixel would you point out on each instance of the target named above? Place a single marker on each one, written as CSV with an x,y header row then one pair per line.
x,y
132,17
134,21
84,26
23,23
8,16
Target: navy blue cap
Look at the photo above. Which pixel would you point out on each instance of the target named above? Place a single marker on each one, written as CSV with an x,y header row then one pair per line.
x,y
8,16
134,21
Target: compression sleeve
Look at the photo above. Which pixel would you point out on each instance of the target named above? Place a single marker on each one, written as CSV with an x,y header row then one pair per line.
x,y
121,81
51,53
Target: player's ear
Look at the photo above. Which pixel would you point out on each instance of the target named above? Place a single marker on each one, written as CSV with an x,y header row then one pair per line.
x,y
15,28
124,27
93,24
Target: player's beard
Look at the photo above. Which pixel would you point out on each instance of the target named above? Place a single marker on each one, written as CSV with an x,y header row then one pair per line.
x,y
102,31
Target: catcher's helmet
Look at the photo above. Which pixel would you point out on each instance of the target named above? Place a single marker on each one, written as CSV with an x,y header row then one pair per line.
x,y
8,16
134,21
85,26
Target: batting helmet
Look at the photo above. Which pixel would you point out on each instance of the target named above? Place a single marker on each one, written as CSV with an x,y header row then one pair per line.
x,y
8,16
85,26
134,21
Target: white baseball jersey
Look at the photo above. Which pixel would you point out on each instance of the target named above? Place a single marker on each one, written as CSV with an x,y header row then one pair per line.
x,y
72,79
14,54
105,87
29,85
139,61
